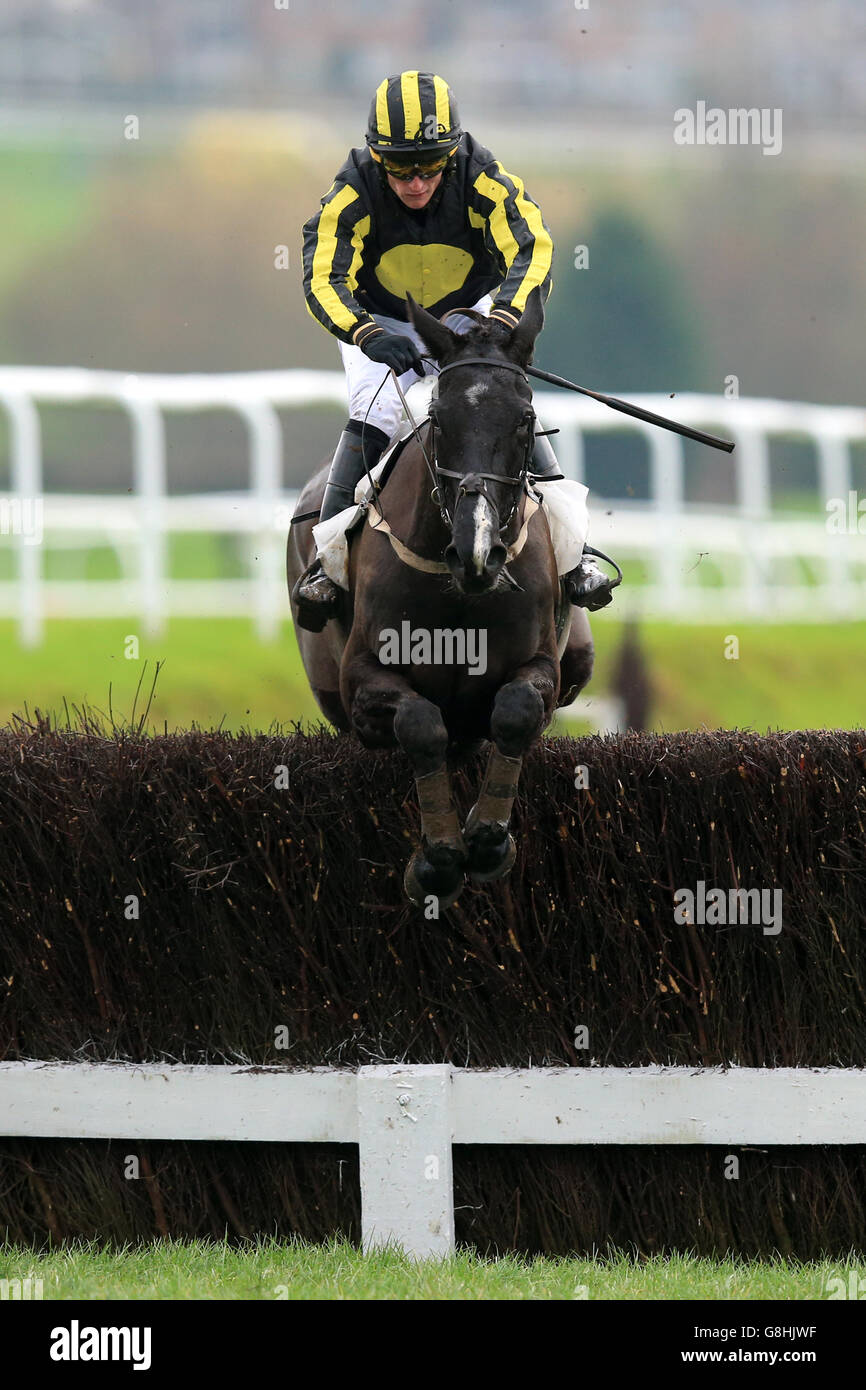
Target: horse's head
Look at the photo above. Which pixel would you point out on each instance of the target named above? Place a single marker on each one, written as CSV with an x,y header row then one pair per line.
x,y
484,428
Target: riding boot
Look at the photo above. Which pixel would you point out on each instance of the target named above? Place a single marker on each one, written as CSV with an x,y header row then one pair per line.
x,y
316,595
586,586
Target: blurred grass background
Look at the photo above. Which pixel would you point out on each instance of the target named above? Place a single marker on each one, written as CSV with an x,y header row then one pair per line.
x,y
218,673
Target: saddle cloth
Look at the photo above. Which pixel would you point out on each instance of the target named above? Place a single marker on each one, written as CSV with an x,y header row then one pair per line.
x,y
564,504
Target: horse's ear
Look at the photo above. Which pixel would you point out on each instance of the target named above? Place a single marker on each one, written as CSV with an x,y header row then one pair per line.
x,y
524,335
437,337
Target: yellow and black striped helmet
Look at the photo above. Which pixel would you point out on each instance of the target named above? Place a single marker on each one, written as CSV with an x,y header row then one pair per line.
x,y
414,111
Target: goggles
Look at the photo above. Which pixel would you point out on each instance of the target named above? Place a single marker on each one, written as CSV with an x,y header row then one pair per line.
x,y
404,173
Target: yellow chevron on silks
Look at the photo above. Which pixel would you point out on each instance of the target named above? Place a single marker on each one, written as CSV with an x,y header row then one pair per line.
x,y
542,252
360,231
323,259
428,273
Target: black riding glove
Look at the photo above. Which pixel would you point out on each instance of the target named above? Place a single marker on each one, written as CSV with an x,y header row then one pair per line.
x,y
394,350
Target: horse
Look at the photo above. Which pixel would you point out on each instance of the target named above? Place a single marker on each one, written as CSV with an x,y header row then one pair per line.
x,y
429,567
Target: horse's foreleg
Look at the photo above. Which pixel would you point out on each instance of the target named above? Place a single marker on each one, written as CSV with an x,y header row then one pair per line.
x,y
436,868
385,709
521,711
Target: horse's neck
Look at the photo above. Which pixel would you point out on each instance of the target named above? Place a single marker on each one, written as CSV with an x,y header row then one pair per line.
x,y
412,514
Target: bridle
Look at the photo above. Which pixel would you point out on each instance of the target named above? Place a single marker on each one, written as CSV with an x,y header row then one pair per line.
x,y
475,483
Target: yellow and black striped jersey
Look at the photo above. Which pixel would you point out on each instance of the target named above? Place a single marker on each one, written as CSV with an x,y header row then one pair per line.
x,y
481,233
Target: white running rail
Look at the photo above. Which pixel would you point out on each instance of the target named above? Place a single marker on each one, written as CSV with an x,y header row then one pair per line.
x,y
405,1119
756,558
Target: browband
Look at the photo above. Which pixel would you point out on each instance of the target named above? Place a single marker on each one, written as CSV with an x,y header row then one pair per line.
x,y
483,362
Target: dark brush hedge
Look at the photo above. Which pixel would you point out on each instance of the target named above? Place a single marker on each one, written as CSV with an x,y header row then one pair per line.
x,y
262,908
809,1203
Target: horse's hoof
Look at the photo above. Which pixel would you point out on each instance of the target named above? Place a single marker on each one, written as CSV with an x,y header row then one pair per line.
x,y
442,879
492,852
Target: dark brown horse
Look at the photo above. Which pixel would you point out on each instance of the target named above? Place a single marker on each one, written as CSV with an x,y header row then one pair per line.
x,y
455,631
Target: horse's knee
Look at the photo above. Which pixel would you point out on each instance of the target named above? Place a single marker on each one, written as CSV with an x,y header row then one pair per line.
x,y
420,731
518,718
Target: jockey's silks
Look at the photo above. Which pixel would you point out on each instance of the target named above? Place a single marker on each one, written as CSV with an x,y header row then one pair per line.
x,y
480,234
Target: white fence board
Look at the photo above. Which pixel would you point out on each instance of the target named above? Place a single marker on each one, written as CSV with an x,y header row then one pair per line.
x,y
660,1105
89,1100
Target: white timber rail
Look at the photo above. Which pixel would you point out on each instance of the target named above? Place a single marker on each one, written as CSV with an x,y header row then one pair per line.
x,y
762,563
406,1119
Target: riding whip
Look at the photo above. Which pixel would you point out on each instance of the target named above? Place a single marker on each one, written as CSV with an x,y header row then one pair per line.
x,y
636,410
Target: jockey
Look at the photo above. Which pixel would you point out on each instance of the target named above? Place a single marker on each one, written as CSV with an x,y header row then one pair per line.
x,y
424,209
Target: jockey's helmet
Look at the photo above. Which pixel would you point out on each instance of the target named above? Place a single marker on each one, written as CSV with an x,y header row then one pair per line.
x,y
413,114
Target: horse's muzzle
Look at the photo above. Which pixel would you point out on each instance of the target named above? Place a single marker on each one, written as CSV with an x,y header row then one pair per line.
x,y
481,574
476,554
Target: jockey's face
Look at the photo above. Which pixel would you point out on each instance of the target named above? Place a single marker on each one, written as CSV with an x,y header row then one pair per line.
x,y
417,193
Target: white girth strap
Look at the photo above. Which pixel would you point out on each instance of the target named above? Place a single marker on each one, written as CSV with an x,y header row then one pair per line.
x,y
418,562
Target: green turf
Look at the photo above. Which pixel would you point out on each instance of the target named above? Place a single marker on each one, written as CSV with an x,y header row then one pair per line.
x,y
217,671
271,1269
786,676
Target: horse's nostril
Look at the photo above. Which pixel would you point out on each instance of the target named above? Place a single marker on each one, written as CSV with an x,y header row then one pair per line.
x,y
496,558
453,561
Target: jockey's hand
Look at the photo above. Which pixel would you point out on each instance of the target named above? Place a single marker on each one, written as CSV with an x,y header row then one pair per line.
x,y
394,350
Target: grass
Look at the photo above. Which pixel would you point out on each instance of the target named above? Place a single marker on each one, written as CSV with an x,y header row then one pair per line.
x,y
271,1269
216,671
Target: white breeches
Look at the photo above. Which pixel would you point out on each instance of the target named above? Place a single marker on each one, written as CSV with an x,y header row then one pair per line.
x,y
363,377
